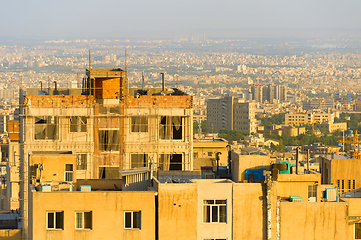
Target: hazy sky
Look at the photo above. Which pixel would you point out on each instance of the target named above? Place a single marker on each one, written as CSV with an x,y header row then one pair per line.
x,y
31,19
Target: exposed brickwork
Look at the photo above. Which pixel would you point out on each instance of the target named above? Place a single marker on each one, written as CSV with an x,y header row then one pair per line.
x,y
161,101
106,88
58,101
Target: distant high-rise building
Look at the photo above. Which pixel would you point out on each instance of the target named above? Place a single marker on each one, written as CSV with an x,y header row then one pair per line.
x,y
257,92
231,113
322,104
269,93
343,98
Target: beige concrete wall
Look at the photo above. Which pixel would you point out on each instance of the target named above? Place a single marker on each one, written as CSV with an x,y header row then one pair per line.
x,y
209,190
202,148
54,166
354,213
346,169
297,185
14,234
313,221
178,205
240,163
248,211
107,214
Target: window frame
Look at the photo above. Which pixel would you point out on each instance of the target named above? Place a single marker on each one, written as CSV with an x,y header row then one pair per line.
x,y
168,128
106,147
80,124
69,173
82,161
54,220
218,205
132,220
143,125
354,229
83,220
46,127
314,188
143,156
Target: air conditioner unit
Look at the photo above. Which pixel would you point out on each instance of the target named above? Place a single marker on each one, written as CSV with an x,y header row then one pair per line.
x,y
296,199
85,188
46,188
331,195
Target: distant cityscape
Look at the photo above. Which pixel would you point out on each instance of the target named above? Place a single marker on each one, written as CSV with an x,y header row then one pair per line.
x,y
184,138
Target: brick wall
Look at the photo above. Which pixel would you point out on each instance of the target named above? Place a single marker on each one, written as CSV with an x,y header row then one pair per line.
x,y
58,101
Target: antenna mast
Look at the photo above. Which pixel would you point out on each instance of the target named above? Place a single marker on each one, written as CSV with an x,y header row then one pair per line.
x,y
89,60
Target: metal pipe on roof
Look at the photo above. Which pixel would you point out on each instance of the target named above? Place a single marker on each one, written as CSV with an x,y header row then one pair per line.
x,y
308,160
297,158
56,86
163,84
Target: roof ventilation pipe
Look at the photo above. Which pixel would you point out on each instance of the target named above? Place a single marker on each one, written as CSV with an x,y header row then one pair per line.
x,y
163,84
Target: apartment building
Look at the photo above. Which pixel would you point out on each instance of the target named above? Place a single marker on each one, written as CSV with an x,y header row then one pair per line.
x,y
332,127
310,117
269,93
231,113
108,125
220,113
322,104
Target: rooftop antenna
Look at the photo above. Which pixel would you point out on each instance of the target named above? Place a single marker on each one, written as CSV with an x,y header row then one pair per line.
x,y
89,60
125,65
177,80
142,80
48,84
21,82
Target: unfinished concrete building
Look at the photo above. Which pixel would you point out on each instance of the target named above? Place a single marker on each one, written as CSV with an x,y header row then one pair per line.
x,y
108,125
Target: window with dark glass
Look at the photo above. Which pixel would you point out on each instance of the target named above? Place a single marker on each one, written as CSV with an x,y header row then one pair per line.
x,y
214,211
171,128
81,162
46,128
132,219
78,124
108,140
139,160
139,124
55,220
83,220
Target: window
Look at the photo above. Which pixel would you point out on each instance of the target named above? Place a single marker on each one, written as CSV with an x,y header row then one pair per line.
x,y
214,211
83,220
55,220
132,220
108,140
210,154
81,162
109,172
69,174
195,155
312,193
46,128
358,230
78,124
139,160
353,184
139,124
170,128
170,162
